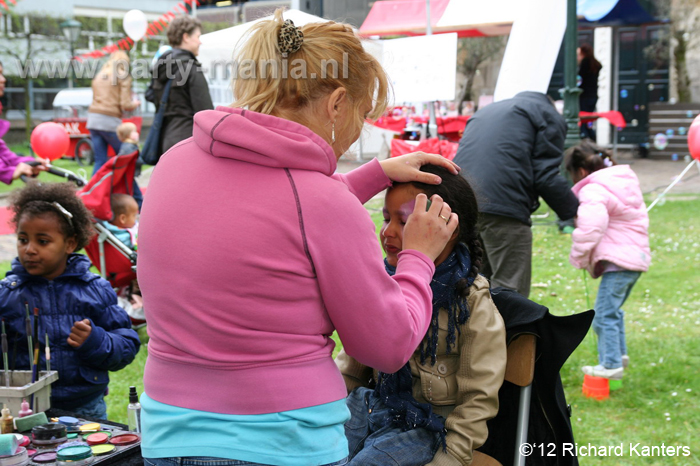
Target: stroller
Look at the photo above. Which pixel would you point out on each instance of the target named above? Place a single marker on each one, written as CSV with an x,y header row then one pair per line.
x,y
114,260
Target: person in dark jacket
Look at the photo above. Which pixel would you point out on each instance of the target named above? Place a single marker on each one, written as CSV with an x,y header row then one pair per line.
x,y
511,152
189,92
88,333
589,69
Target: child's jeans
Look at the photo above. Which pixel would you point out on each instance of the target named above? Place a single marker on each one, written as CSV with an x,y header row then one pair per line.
x,y
609,320
95,409
372,443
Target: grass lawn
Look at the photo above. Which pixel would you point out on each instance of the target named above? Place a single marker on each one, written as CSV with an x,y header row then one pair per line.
x,y
660,400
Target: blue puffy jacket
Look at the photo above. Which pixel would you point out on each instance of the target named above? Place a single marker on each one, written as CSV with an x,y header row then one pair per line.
x,y
75,295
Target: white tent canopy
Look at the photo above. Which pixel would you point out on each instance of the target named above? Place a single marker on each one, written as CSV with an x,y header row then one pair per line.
x,y
492,18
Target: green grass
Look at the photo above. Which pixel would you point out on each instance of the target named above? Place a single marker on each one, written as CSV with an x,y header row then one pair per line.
x,y
660,400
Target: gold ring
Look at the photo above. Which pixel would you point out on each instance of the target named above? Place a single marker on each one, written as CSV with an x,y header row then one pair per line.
x,y
446,219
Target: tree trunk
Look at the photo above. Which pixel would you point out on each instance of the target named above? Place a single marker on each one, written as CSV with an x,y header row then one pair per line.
x,y
27,110
680,65
467,90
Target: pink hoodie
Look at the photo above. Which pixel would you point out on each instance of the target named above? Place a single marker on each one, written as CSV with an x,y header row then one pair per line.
x,y
251,253
612,222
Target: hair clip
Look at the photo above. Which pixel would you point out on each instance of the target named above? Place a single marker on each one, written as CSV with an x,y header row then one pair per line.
x,y
290,38
65,212
607,162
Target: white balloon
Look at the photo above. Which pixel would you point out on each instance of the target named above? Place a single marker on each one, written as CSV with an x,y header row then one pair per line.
x,y
135,24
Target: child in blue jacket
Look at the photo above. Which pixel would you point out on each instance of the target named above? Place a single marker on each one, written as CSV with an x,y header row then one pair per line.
x,y
89,333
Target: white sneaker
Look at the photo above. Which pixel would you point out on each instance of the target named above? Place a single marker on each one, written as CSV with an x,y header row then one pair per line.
x,y
625,361
601,371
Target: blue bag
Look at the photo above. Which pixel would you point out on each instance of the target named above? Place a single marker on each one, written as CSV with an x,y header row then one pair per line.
x,y
150,152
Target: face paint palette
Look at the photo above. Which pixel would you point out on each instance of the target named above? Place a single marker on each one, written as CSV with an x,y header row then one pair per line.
x,y
105,443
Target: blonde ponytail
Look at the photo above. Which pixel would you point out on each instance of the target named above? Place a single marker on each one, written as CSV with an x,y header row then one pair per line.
x,y
330,56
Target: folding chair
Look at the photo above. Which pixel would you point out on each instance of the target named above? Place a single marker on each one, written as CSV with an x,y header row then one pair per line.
x,y
520,371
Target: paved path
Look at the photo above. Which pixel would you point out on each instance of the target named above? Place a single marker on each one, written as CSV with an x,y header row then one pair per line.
x,y
654,177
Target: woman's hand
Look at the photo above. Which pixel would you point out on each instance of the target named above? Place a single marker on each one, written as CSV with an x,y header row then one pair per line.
x,y
429,231
407,167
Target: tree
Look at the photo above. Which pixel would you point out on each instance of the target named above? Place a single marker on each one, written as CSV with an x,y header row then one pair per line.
x,y
682,37
472,52
22,47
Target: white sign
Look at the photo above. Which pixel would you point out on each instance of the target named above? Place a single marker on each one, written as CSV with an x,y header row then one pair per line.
x,y
532,48
421,69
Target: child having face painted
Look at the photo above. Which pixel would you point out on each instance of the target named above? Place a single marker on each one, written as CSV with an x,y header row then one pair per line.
x,y
88,333
434,410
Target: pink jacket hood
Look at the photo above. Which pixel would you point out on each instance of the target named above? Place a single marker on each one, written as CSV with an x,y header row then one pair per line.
x,y
247,136
612,222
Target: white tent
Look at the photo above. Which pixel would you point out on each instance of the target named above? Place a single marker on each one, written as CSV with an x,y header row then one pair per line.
x,y
216,53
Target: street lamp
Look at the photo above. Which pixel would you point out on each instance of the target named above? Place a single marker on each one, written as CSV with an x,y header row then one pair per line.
x,y
71,29
571,90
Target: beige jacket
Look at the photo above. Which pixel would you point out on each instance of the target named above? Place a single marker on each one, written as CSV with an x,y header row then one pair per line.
x,y
462,386
109,98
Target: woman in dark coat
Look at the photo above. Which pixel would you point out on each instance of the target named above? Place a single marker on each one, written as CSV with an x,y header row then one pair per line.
x,y
588,69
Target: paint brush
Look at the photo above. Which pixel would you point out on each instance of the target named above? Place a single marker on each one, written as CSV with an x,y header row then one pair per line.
x,y
5,363
48,354
35,366
28,328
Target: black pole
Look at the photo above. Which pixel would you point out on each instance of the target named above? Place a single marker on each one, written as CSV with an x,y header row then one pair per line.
x,y
571,91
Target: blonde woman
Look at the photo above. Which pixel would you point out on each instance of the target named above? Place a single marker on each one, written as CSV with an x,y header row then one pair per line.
x,y
111,97
252,252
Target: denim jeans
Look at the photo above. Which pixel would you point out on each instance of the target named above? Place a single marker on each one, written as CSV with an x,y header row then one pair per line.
x,y
609,320
209,461
100,142
96,409
373,443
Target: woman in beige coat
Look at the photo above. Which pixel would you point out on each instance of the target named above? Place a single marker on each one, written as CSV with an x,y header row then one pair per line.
x,y
111,97
434,410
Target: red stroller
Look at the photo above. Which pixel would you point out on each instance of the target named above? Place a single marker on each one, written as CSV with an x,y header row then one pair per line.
x,y
115,261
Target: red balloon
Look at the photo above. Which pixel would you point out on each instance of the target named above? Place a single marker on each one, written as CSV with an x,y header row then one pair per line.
x,y
50,140
694,138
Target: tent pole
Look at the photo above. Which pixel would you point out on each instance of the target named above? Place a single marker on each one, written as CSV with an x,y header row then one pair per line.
x,y
571,90
432,123
616,81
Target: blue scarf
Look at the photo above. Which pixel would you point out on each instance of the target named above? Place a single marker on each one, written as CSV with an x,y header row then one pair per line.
x,y
396,390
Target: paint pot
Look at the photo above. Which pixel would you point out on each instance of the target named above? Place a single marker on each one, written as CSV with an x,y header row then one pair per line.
x,y
70,422
23,440
72,436
104,449
31,452
46,457
92,426
20,458
77,455
108,434
124,439
49,434
97,438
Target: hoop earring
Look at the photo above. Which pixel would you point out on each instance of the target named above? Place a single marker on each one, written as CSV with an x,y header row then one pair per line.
x,y
333,133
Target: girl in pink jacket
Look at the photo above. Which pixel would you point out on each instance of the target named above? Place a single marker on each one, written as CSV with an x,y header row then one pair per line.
x,y
610,240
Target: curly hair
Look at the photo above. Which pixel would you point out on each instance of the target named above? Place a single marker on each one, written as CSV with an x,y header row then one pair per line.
x,y
39,199
180,26
589,156
458,193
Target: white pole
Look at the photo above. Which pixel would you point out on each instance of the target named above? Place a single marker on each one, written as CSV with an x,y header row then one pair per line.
x,y
194,8
432,123
676,181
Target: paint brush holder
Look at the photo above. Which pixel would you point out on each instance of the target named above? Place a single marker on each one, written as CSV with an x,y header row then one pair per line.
x,y
21,386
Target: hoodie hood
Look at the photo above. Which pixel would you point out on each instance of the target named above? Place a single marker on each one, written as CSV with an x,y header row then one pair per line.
x,y
266,140
618,180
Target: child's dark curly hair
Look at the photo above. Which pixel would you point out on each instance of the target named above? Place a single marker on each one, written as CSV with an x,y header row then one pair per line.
x,y
40,198
458,193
